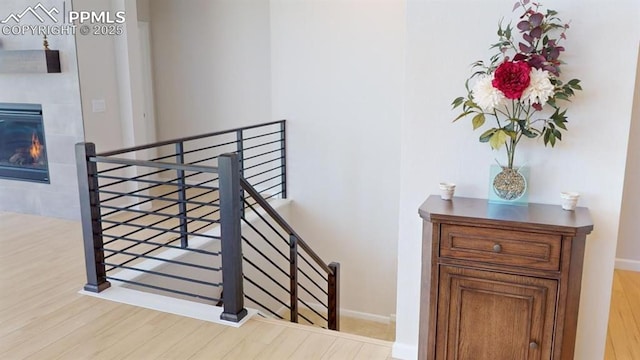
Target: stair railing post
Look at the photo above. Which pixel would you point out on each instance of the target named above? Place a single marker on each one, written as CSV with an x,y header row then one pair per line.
x,y
283,159
90,215
231,238
293,277
240,151
334,297
182,197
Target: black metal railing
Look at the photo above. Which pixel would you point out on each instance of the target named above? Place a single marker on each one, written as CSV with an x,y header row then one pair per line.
x,y
172,217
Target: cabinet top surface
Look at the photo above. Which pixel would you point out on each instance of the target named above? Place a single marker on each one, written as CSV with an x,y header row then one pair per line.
x,y
541,216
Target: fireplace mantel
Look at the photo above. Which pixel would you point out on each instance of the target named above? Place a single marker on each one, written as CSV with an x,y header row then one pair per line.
x,y
29,61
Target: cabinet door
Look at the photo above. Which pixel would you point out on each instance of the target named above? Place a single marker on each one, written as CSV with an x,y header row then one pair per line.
x,y
484,315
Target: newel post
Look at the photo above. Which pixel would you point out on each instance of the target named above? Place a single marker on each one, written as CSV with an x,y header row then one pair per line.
x,y
230,233
90,215
334,297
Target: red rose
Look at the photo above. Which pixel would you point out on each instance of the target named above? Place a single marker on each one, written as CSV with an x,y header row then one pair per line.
x,y
512,78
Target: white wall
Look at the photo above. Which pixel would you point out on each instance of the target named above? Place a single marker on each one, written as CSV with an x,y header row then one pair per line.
x,y
60,99
628,252
211,65
337,72
443,38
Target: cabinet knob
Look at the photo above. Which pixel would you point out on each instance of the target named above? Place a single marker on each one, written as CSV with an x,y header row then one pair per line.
x,y
533,345
497,248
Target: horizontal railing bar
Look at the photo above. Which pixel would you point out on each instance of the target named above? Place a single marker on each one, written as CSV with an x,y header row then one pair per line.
x,y
202,227
265,238
262,163
143,202
263,290
99,174
269,179
262,154
161,198
153,212
177,277
268,224
264,307
152,228
264,197
265,274
162,289
208,148
154,164
263,172
136,257
277,218
157,182
313,281
265,257
185,139
263,144
311,266
271,187
312,295
144,242
176,262
307,319
314,310
261,135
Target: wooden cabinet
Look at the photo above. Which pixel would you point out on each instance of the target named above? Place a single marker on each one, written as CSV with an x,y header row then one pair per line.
x,y
500,282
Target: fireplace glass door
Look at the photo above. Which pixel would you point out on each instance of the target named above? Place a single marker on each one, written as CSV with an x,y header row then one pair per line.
x,y
23,151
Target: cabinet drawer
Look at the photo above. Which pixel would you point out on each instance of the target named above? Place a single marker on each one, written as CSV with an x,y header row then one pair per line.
x,y
502,247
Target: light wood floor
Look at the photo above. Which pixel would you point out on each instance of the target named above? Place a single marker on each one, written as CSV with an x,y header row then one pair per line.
x,y
43,317
623,336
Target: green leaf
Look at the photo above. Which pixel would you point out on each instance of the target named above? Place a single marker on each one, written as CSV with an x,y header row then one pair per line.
x,y
486,136
478,121
462,115
498,139
457,102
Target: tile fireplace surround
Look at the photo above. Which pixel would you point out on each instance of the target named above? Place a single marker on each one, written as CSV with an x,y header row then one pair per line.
x,y
59,95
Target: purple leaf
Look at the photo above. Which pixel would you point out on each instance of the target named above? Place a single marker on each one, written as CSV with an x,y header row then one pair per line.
x,y
536,32
525,48
563,36
537,106
517,5
530,39
524,25
519,57
536,19
525,2
536,61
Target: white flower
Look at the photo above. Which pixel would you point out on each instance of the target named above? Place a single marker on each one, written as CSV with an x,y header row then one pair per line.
x,y
485,95
540,88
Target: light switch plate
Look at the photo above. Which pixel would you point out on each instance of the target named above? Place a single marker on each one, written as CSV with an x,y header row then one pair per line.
x,y
98,105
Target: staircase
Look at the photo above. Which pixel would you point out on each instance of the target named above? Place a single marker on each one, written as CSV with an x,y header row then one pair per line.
x,y
195,218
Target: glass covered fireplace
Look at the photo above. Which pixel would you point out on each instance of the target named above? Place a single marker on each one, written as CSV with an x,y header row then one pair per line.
x,y
23,151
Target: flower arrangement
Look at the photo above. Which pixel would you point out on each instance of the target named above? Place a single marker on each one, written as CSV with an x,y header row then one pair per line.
x,y
519,81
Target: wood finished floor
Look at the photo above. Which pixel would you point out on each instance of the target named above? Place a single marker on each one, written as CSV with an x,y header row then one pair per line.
x,y
623,336
42,316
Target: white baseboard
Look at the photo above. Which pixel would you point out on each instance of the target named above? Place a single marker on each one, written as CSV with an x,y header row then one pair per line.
x,y
167,304
344,312
404,351
628,264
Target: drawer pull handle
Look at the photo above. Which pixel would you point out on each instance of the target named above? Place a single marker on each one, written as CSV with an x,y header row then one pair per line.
x,y
533,345
497,248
